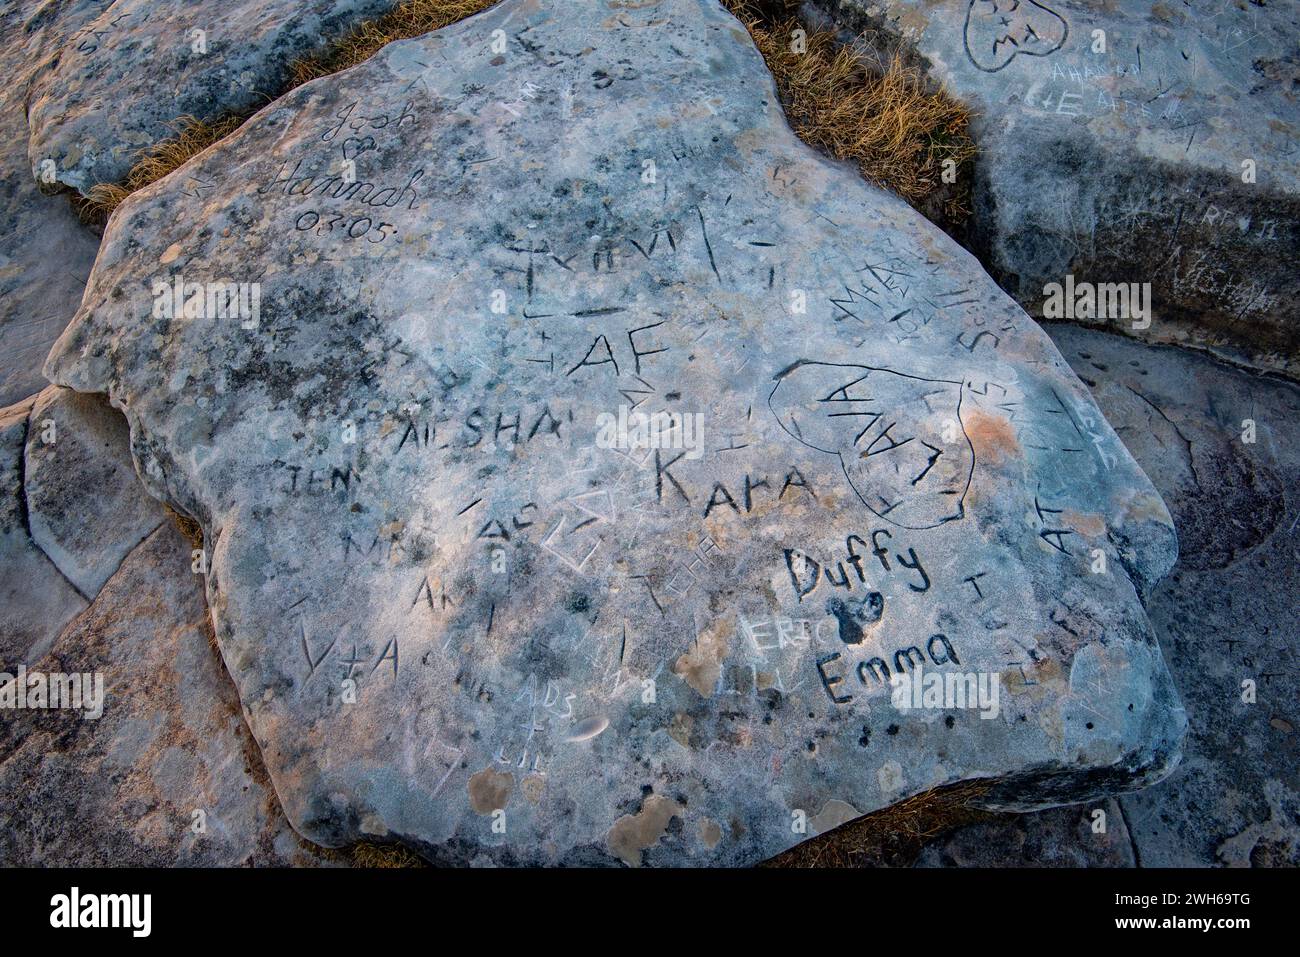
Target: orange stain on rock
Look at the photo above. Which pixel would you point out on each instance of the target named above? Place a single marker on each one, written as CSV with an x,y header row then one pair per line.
x,y
1090,524
992,436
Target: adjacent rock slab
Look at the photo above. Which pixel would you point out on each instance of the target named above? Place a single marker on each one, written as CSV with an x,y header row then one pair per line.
x,y
73,508
36,601
45,253
1114,142
86,509
1227,614
1061,837
157,62
466,608
168,775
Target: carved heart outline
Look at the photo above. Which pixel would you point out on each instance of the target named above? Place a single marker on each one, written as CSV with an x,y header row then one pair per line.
x,y
902,386
1002,24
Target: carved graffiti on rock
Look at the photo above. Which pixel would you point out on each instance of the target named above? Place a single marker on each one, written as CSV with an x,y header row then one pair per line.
x,y
899,437
997,31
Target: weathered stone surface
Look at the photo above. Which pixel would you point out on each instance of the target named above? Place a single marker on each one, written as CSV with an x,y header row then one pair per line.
x,y
1127,165
1227,613
147,60
123,789
1061,837
86,509
36,601
410,500
45,253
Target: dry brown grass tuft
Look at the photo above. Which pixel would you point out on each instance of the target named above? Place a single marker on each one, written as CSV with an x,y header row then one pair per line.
x,y
413,18
882,116
382,855
191,529
893,836
192,137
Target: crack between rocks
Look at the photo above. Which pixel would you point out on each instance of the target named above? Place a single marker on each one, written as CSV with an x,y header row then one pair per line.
x,y
129,552
1212,353
26,515
1191,462
250,747
22,480
252,751
1132,841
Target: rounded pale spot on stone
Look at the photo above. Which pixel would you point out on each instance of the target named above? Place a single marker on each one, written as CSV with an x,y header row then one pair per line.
x,y
890,777
633,833
170,254
710,833
680,729
589,728
533,786
832,815
992,435
701,665
489,790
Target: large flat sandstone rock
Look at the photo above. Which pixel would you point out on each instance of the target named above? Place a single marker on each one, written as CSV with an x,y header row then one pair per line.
x,y
1114,142
156,62
463,608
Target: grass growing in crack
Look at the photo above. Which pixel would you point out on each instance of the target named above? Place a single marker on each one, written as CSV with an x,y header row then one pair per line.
x,y
192,137
892,836
382,856
191,529
880,114
407,20
413,18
